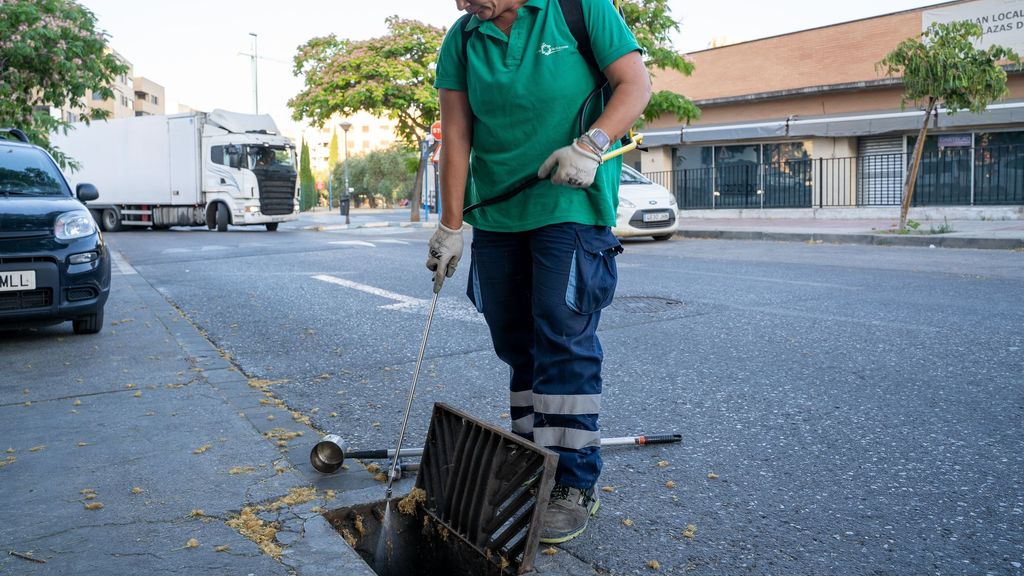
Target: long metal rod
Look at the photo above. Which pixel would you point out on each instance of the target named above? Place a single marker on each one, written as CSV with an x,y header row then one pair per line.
x,y
412,394
642,440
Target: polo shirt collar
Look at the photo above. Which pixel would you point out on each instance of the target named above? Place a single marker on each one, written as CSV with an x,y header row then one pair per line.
x,y
475,22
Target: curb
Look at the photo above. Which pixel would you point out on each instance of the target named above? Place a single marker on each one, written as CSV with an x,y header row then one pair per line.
x,y
864,239
329,227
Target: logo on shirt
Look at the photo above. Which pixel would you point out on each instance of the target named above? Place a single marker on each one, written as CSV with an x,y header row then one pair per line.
x,y
547,49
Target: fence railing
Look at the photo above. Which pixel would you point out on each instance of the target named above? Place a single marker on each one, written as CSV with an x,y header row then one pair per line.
x,y
953,176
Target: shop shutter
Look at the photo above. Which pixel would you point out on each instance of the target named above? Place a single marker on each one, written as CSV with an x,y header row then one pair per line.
x,y
880,169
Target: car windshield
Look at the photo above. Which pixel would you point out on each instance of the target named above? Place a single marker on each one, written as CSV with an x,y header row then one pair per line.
x,y
29,172
631,176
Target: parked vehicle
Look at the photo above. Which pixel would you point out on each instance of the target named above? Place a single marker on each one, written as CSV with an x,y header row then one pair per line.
x,y
54,264
195,169
645,208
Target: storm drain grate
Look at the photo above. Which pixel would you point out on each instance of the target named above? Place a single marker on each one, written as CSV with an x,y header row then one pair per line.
x,y
486,485
646,305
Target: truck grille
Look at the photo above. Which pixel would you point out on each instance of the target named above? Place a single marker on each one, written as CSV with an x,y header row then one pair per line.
x,y
26,299
277,193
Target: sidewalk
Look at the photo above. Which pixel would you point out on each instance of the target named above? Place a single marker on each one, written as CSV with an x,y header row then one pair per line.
x,y
998,234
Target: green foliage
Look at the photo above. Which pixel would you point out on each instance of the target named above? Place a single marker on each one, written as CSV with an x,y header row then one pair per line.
x,y
332,151
946,66
390,76
51,55
381,174
307,184
652,23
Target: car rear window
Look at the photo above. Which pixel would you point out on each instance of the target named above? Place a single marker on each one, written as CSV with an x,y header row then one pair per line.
x,y
29,172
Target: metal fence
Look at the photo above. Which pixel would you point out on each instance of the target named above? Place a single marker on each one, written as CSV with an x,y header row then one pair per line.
x,y
949,177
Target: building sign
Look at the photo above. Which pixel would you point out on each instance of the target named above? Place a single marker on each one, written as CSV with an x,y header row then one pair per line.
x,y
1001,21
955,141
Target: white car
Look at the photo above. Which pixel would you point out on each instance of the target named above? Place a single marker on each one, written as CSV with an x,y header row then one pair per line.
x,y
645,208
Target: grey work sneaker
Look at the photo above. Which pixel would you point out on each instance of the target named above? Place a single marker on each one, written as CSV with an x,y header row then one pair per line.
x,y
568,512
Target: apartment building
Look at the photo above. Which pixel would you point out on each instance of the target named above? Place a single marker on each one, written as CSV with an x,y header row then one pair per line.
x,y
366,134
805,120
149,97
122,105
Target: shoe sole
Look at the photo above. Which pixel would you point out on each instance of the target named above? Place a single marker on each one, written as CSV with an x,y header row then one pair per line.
x,y
570,536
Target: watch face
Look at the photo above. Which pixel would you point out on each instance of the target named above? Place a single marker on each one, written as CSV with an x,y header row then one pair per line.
x,y
600,138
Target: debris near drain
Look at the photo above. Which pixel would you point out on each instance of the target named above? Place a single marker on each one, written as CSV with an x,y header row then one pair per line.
x,y
654,565
221,548
242,470
295,497
249,525
281,434
408,504
690,532
202,448
192,543
349,538
27,556
93,506
549,551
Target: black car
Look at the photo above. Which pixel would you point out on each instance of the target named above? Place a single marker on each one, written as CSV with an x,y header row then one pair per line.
x,y
54,264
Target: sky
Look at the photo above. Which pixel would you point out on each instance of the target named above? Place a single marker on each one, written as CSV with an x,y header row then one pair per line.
x,y
198,49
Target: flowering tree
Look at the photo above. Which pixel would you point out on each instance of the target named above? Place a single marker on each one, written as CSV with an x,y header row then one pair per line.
x,y
51,55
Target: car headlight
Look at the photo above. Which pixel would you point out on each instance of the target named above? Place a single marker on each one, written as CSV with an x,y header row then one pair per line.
x,y
73,225
671,199
626,203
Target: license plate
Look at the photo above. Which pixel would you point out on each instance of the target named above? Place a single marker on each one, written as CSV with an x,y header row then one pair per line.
x,y
656,217
14,281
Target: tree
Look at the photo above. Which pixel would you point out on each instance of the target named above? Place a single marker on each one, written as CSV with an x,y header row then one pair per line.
x,y
307,184
945,68
332,151
652,24
386,174
51,55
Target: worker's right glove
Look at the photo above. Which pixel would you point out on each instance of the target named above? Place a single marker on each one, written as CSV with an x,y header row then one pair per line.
x,y
577,166
443,254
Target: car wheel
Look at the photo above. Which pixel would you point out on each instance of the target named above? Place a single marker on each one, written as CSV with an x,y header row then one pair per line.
x,y
663,237
222,218
272,226
90,324
111,220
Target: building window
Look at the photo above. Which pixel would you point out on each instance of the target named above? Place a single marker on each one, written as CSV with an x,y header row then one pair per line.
x,y
154,99
140,95
366,129
96,96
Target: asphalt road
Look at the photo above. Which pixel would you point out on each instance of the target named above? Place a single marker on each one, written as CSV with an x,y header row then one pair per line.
x,y
845,409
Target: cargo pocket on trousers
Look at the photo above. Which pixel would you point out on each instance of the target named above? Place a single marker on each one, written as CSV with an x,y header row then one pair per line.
x,y
592,274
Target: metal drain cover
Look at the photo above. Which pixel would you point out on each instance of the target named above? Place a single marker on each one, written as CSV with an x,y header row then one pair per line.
x,y
487,486
646,304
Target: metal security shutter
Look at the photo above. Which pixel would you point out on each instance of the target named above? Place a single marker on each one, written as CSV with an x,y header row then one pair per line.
x,y
880,170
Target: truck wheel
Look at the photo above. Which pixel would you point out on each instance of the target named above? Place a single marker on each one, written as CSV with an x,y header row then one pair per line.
x,y
222,218
272,226
90,324
111,220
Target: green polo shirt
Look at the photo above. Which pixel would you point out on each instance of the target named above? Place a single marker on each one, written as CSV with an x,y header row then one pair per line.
x,y
526,91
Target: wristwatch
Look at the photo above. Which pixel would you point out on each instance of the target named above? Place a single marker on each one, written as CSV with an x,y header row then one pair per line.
x,y
600,139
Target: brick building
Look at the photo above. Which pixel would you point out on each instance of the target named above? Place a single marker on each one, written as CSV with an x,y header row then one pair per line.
x,y
804,120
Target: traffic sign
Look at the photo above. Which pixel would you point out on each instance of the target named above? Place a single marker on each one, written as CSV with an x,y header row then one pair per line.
x,y
435,130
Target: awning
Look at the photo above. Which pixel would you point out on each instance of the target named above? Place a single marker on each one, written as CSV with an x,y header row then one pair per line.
x,y
732,132
662,138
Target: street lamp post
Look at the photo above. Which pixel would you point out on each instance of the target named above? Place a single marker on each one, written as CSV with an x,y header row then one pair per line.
x,y
345,198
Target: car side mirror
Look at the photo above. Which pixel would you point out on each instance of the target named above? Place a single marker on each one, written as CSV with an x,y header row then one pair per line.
x,y
86,192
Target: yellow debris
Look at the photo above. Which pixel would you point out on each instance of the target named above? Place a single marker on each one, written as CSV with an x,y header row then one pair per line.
x,y
192,543
691,531
712,476
295,497
93,506
202,449
250,526
627,522
654,565
608,489
39,448
670,484
349,537
138,394
373,468
222,548
136,490
81,444
407,505
550,551
77,402
662,463
242,470
197,513
129,386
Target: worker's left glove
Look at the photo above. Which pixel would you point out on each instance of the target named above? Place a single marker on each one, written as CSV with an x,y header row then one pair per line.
x,y
443,254
576,166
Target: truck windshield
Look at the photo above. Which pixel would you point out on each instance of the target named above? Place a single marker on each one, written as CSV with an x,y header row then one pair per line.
x,y
270,157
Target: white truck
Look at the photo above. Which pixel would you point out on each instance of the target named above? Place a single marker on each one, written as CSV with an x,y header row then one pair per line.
x,y
195,169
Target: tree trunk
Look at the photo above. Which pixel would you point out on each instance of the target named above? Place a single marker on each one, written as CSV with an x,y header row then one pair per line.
x,y
915,165
417,190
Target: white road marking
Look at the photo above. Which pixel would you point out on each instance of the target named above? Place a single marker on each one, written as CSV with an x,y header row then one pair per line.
x,y
449,309
353,243
121,264
392,241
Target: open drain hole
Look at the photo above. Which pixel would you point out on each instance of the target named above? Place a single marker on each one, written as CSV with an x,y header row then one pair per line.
x,y
418,544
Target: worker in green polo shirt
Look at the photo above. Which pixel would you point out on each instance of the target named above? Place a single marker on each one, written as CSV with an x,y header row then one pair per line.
x,y
511,83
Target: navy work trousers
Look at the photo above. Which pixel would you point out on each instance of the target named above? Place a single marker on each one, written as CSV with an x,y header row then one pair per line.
x,y
541,293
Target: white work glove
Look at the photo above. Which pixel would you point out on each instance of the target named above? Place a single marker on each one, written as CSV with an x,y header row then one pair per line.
x,y
443,254
576,166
